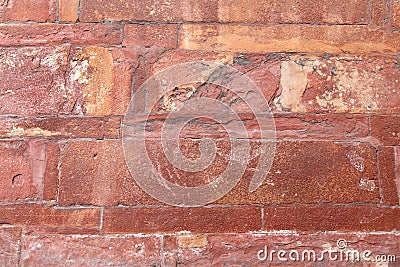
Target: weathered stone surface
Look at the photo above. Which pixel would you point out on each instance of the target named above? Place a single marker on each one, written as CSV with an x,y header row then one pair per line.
x,y
387,169
50,179
396,14
263,70
77,127
9,246
170,219
309,83
253,69
37,215
28,10
291,11
191,150
397,154
32,81
174,57
192,241
339,84
22,170
95,173
175,10
341,173
288,11
289,180
331,218
140,60
91,251
321,126
164,35
103,82
68,10
61,230
243,249
50,81
328,70
380,13
124,78
55,34
288,38
386,129
288,126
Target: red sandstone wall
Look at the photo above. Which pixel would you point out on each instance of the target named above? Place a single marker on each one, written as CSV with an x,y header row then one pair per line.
x,y
68,68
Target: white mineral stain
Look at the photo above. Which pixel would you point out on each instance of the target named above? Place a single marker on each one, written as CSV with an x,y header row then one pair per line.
x,y
356,160
294,82
19,131
79,72
367,184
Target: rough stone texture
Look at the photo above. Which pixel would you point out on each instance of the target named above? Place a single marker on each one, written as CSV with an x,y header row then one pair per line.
x,y
104,82
140,59
170,219
27,10
290,181
331,218
95,173
328,70
291,11
396,14
45,34
61,230
9,245
173,57
339,84
192,241
175,10
288,126
380,13
68,10
35,214
50,179
390,193
100,171
56,81
46,81
97,88
190,149
164,35
243,249
263,70
91,251
22,170
32,81
321,126
214,249
77,127
386,129
397,157
287,38
288,11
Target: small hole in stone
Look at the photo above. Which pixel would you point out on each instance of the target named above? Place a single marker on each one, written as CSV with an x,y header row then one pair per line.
x,y
17,180
95,155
